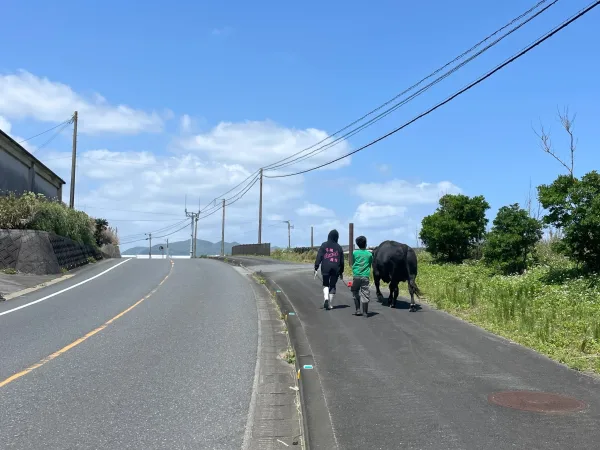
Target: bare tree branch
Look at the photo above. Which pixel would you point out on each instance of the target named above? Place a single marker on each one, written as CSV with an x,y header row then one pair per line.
x,y
546,143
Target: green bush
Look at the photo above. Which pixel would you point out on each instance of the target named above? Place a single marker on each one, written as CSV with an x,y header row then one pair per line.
x,y
509,245
35,212
453,232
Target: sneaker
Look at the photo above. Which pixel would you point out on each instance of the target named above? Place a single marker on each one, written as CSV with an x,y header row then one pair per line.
x,y
326,304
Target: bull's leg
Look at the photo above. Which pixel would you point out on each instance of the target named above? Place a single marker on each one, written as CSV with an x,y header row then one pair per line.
x,y
393,295
411,291
377,279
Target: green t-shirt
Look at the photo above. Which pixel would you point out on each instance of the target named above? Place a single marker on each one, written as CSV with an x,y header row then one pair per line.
x,y
361,263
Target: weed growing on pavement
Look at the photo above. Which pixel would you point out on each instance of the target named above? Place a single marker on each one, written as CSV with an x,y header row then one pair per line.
x,y
290,356
552,308
9,271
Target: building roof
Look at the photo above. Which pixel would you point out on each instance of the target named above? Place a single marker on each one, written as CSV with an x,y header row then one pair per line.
x,y
30,155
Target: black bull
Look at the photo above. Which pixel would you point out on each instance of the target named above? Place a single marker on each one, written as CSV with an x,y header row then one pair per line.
x,y
393,263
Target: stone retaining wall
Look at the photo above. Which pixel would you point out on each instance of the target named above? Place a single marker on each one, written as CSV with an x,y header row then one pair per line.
x,y
42,253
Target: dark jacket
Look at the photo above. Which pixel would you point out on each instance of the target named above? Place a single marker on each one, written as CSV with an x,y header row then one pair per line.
x,y
330,255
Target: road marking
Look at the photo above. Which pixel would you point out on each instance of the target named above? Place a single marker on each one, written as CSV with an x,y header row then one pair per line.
x,y
63,290
73,344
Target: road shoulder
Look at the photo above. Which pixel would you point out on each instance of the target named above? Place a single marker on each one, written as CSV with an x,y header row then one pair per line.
x,y
274,419
317,431
14,286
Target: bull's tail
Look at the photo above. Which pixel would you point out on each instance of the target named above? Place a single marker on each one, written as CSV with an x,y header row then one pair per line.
x,y
415,288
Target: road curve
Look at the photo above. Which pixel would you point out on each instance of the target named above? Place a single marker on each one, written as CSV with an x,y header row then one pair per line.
x,y
174,371
422,380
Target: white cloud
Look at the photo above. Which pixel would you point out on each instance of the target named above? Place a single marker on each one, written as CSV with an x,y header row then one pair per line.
x,y
312,210
401,192
5,125
24,95
253,143
370,214
186,123
383,168
223,31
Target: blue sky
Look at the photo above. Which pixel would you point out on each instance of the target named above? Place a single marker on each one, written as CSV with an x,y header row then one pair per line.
x,y
221,89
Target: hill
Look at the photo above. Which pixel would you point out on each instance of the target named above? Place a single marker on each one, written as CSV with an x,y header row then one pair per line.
x,y
182,248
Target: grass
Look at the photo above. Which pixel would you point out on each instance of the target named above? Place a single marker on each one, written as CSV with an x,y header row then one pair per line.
x,y
552,308
91,260
9,271
289,356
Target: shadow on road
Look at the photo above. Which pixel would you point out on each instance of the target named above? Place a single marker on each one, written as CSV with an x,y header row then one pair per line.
x,y
400,303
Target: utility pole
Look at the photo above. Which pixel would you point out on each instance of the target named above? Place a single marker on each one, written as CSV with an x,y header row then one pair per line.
x,y
193,216
150,247
290,227
260,209
223,231
196,238
167,247
311,238
73,161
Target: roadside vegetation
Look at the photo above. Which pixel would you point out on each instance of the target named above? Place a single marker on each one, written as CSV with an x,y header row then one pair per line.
x,y
32,211
532,278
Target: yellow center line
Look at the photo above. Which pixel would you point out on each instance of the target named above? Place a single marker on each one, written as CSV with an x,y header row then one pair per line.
x,y
75,343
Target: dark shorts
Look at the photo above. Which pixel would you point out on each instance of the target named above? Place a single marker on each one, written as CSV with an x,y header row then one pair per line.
x,y
330,279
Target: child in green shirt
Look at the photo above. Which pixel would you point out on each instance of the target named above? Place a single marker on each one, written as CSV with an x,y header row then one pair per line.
x,y
361,270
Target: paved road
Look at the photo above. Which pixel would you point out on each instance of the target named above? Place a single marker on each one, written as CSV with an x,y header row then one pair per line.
x,y
421,380
175,371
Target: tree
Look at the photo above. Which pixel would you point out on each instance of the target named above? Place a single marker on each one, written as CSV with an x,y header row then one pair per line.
x,y
574,207
455,228
101,226
511,240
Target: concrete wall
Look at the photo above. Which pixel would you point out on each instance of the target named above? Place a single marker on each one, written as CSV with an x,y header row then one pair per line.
x,y
251,249
42,253
20,171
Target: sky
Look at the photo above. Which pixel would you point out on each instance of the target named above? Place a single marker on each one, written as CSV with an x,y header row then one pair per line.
x,y
181,101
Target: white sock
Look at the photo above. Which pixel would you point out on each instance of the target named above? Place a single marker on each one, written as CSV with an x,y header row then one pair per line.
x,y
325,293
331,299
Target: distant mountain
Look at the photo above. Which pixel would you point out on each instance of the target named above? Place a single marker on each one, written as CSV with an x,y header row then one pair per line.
x,y
182,248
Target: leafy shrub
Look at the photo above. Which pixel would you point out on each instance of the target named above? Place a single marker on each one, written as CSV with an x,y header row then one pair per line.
x,y
509,245
452,232
17,211
574,207
35,212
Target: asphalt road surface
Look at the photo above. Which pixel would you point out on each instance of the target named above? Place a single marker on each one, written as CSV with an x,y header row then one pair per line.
x,y
174,369
422,380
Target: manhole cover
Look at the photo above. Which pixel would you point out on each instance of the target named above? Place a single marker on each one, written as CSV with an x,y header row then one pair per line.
x,y
543,402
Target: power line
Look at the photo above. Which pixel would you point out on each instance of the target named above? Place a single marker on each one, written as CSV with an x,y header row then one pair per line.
x,y
53,137
452,97
49,129
413,96
526,13
137,211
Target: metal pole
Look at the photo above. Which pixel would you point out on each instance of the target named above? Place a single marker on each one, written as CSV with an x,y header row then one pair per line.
x,y
196,238
260,209
289,235
73,162
351,246
192,236
223,231
311,238
150,247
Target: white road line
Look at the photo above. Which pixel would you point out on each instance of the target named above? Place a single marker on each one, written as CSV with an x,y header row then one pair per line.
x,y
63,290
